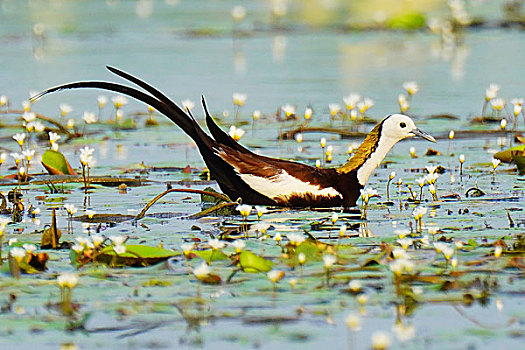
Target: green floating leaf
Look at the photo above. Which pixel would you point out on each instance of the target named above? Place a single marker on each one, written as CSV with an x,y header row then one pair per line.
x,y
407,21
135,255
520,163
509,155
251,262
211,255
56,164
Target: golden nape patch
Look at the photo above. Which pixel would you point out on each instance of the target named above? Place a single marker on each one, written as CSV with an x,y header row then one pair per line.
x,y
364,151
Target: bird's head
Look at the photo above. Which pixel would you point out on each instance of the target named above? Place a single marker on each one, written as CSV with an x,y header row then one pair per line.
x,y
400,126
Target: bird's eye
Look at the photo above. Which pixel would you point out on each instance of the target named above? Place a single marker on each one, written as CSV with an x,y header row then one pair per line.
x,y
403,125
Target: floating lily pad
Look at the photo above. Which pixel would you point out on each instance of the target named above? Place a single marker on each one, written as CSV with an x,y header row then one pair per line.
x,y
56,164
251,262
135,255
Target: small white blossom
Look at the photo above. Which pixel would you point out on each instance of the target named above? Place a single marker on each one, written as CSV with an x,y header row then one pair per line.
x,y
239,99
65,109
202,270
119,101
329,260
19,138
238,245
216,244
411,87
188,104
67,280
89,117
295,238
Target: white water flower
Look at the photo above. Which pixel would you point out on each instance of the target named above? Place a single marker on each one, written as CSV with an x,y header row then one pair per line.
x,y
301,258
215,244
405,242
119,101
402,265
202,270
498,251
38,126
53,137
334,108
411,87
308,113
29,247
448,251
495,163
381,341
119,249
244,209
295,238
102,101
289,110
354,285
19,138
275,275
399,253
188,104
439,246
67,280
329,260
238,13
419,212
29,116
238,245
404,332
17,157
351,100
65,109
239,99
498,104
256,114
491,92
353,322
18,253
187,248
70,208
77,248
431,168
236,133
392,175
89,117
26,106
260,210
117,240
3,100
29,154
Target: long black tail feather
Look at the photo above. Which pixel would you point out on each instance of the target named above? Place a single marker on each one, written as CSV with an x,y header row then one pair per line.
x,y
176,115
224,173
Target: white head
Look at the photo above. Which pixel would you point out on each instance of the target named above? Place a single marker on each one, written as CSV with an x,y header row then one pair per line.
x,y
392,129
400,126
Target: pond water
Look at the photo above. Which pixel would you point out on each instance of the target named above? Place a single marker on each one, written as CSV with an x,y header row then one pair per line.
x,y
187,51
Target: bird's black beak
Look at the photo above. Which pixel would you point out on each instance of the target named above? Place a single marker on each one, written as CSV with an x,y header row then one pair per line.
x,y
423,134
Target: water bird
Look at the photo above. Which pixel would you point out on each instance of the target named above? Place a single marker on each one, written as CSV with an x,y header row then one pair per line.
x,y
261,180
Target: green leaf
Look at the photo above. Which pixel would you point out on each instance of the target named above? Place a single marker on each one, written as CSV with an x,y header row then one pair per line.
x,y
56,164
520,163
210,255
251,262
508,155
135,255
407,21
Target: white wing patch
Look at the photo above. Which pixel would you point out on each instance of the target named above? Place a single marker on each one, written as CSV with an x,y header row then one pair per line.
x,y
283,185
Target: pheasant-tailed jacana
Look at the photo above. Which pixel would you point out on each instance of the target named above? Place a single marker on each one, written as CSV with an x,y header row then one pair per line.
x,y
262,180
